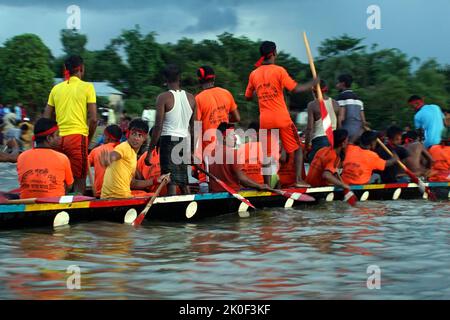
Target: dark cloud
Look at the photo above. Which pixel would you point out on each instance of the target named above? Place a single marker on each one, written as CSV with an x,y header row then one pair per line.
x,y
214,19
113,5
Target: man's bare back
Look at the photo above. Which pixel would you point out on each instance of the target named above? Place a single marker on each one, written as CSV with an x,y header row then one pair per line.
x,y
419,160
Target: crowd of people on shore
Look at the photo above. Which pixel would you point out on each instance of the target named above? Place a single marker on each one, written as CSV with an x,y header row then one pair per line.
x,y
127,163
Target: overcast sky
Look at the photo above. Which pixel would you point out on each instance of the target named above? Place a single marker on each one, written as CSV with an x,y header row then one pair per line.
x,y
418,27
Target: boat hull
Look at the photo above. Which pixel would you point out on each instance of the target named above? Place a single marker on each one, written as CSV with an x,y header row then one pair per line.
x,y
196,207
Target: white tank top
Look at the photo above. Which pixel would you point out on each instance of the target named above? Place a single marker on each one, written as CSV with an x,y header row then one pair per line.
x,y
176,121
318,125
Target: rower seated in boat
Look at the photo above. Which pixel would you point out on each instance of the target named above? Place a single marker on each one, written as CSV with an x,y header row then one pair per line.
x,y
394,173
149,173
440,171
250,154
360,161
121,164
325,165
43,171
111,137
419,160
223,163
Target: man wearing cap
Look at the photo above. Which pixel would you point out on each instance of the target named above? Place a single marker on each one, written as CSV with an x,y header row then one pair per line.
x,y
74,104
268,81
51,175
429,118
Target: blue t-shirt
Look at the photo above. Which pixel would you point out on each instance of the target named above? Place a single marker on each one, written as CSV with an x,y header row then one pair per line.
x,y
431,119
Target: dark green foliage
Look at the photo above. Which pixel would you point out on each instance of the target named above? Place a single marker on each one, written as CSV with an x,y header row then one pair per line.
x,y
132,62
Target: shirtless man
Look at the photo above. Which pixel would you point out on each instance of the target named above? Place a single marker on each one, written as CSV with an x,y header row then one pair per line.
x,y
419,160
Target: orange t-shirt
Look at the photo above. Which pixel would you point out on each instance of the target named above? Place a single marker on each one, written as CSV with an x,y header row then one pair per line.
x,y
251,157
269,81
213,107
152,172
325,159
441,167
94,161
359,164
43,173
287,173
224,171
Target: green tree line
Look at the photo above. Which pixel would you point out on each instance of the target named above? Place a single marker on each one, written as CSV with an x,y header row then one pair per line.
x,y
133,61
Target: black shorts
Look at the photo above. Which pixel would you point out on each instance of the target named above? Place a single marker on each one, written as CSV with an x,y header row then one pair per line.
x,y
172,159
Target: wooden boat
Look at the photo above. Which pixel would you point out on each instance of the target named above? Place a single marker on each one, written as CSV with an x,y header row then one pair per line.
x,y
38,212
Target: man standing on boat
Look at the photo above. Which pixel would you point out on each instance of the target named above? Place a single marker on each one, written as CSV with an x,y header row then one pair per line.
x,y
73,103
315,134
429,118
351,111
268,81
175,113
215,105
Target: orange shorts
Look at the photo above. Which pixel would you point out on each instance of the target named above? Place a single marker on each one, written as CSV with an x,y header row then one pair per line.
x,y
289,138
75,147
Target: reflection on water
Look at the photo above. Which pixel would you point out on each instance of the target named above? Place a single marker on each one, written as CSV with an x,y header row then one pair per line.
x,y
318,253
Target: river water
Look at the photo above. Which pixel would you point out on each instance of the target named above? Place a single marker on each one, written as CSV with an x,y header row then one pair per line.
x,y
322,252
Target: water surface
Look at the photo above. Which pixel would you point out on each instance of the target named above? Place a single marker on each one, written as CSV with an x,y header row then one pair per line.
x,y
322,252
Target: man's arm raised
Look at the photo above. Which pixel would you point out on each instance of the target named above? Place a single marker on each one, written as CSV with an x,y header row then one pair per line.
x,y
307,86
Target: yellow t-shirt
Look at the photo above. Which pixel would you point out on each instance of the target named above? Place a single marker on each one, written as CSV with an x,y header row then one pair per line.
x,y
118,176
70,101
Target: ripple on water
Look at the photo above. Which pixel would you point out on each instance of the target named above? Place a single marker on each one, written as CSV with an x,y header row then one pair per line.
x,y
317,253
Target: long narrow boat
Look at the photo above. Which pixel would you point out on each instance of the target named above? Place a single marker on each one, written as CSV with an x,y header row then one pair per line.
x,y
192,207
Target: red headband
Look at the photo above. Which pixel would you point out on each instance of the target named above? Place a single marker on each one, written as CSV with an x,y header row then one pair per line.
x,y
263,58
45,133
202,75
110,136
413,102
67,73
408,141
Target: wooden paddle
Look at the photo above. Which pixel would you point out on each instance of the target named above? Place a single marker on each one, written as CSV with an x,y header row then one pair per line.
x,y
326,121
141,216
296,196
422,187
349,196
226,187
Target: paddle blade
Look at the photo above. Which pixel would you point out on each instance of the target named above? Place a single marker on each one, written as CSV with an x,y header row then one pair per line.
x,y
241,198
422,187
138,221
350,197
296,196
234,193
